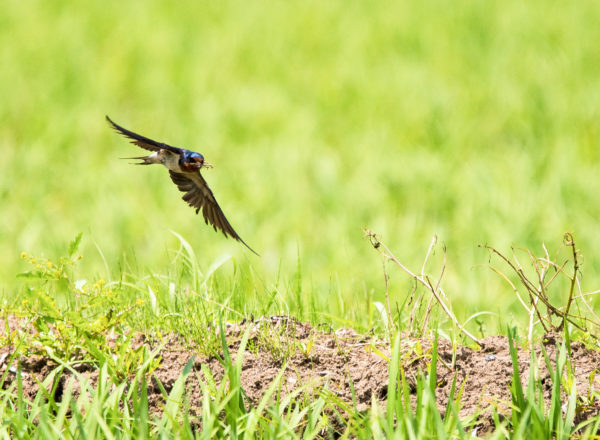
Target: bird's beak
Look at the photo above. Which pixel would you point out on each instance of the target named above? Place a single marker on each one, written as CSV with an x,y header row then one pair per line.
x,y
206,164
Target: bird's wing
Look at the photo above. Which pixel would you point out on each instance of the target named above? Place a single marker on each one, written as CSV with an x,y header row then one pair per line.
x,y
198,195
142,141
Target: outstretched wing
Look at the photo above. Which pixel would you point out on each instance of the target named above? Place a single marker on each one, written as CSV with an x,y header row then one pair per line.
x,y
198,195
142,141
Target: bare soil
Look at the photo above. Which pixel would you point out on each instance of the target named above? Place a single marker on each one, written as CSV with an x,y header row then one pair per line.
x,y
339,358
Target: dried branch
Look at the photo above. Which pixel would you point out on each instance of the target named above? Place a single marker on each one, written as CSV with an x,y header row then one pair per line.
x,y
538,289
424,280
569,241
387,299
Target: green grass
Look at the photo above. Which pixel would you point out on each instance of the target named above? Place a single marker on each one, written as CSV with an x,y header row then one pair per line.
x,y
118,409
476,122
90,323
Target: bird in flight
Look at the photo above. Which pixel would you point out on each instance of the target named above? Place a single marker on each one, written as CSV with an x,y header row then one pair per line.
x,y
184,168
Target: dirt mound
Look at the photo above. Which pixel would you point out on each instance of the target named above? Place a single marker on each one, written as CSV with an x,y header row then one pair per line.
x,y
343,360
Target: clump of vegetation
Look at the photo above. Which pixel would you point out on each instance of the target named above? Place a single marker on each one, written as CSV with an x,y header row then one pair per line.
x,y
76,321
117,402
551,311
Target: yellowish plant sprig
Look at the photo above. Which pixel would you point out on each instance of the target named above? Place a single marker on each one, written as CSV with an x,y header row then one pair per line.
x,y
306,348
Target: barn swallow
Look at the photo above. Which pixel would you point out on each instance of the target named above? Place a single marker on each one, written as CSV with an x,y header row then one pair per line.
x,y
184,168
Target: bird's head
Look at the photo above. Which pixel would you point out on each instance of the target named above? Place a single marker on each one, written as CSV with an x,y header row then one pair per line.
x,y
194,161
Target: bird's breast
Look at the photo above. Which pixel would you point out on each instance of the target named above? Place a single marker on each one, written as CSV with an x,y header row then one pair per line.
x,y
171,161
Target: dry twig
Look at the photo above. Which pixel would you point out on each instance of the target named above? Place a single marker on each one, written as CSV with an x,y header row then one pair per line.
x,y
436,290
537,288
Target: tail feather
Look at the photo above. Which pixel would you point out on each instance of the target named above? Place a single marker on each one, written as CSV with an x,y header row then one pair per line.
x,y
146,160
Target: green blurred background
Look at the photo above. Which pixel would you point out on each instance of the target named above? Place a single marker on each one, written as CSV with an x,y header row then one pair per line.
x,y
477,121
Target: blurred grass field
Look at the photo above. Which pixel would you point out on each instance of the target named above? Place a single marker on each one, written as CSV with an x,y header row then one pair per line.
x,y
474,121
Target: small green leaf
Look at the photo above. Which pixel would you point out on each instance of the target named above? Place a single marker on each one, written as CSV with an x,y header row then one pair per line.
x,y
74,245
29,274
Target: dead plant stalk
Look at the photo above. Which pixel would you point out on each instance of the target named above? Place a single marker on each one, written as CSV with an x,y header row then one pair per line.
x,y
537,289
436,290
